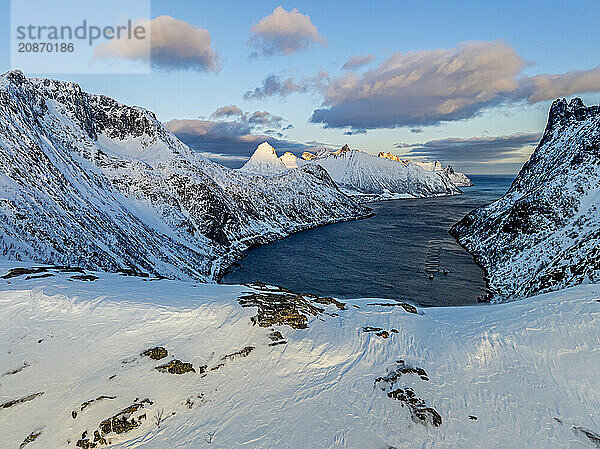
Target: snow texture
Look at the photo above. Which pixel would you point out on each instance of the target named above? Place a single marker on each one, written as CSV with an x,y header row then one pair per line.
x,y
514,375
360,174
542,235
89,182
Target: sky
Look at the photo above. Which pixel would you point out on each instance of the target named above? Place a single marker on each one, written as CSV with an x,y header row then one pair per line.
x,y
465,82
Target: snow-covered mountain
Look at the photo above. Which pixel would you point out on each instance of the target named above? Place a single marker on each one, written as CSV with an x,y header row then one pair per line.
x,y
429,165
543,234
95,360
459,179
265,161
88,182
391,157
360,173
290,160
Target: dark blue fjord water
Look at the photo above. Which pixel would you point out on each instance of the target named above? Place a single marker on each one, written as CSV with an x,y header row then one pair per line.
x,y
387,256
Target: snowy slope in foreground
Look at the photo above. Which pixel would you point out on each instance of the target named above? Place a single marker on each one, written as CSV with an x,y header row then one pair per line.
x,y
543,234
527,370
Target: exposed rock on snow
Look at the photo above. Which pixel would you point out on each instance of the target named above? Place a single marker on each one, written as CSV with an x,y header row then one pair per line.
x,y
176,367
86,404
543,234
407,307
245,352
156,353
92,183
391,157
280,307
460,179
27,398
516,367
30,438
122,422
307,155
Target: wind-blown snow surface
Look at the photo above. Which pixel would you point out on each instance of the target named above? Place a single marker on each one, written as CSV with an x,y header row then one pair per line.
x,y
89,182
543,234
526,370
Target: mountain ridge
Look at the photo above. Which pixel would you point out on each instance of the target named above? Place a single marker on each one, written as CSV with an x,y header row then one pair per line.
x,y
540,236
93,183
364,176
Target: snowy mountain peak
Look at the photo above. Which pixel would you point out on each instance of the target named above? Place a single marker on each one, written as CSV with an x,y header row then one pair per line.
x,y
264,161
365,175
290,160
460,179
562,111
15,76
264,151
391,157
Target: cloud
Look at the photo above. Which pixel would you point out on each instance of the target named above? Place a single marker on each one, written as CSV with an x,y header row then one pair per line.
x,y
229,143
429,87
274,85
358,61
352,132
227,111
549,87
416,130
252,120
502,149
264,118
175,44
284,33
423,88
231,135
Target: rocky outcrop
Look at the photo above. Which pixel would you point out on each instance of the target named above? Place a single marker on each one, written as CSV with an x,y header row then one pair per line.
x,y
460,179
542,234
278,306
176,367
391,157
156,353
